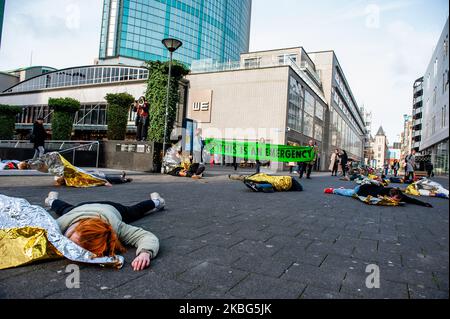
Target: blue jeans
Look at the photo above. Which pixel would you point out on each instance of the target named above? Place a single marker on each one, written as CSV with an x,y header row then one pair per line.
x,y
346,192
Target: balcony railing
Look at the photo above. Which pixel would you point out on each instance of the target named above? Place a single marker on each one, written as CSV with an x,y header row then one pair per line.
x,y
418,88
418,99
417,111
417,122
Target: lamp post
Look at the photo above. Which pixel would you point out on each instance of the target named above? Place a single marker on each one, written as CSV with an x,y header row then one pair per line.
x,y
171,45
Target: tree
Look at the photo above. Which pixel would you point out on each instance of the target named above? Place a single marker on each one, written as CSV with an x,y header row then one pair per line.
x,y
117,114
156,95
7,120
64,110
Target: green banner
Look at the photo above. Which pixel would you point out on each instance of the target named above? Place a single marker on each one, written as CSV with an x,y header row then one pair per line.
x,y
260,151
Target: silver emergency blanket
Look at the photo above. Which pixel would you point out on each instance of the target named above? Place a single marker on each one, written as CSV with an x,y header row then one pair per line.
x,y
172,158
17,216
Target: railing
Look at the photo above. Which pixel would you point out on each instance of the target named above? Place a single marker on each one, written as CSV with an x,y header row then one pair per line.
x,y
61,146
417,122
418,99
305,66
418,88
417,111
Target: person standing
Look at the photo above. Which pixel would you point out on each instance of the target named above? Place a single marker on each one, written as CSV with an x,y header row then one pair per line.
x,y
307,166
136,120
344,160
38,137
334,163
396,167
410,162
198,145
429,168
143,121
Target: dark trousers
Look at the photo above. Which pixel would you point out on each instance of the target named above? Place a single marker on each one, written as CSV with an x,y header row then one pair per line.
x,y
344,169
335,169
142,129
129,213
305,167
258,167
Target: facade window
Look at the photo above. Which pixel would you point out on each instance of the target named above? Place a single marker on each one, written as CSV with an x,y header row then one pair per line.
x,y
435,67
252,63
434,97
444,116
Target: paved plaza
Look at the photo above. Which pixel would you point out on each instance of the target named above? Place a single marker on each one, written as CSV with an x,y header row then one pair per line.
x,y
220,240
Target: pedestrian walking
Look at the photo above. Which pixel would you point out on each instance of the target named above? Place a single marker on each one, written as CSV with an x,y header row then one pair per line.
x,y
344,160
429,168
396,167
306,167
334,163
38,137
410,165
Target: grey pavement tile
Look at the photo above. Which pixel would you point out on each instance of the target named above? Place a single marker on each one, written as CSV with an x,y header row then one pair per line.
x,y
38,284
320,293
179,246
292,230
315,276
209,293
298,255
442,280
152,286
214,276
344,249
255,235
84,292
171,266
262,287
421,292
220,240
267,266
216,255
257,247
288,241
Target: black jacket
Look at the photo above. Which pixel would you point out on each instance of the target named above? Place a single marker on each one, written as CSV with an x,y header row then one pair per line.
x,y
375,191
38,135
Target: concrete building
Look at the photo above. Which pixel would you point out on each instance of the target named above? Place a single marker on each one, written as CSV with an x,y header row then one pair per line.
x,y
132,30
282,96
417,114
266,95
406,137
435,127
345,120
381,148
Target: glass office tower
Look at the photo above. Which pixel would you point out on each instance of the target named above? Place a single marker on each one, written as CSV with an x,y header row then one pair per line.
x,y
209,29
2,12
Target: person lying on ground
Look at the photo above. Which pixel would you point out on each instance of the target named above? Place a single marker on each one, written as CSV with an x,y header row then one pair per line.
x,y
194,170
377,191
268,183
68,174
102,227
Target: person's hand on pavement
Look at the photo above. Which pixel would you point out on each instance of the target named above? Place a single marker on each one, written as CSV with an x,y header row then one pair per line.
x,y
141,262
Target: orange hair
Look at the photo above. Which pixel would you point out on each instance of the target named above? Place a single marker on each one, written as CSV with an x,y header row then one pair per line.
x,y
98,236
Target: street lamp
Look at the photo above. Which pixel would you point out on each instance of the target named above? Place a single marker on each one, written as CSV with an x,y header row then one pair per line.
x,y
171,45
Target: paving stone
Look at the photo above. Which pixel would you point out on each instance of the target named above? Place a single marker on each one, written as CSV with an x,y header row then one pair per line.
x,y
270,266
213,276
315,276
320,293
217,255
257,247
421,292
262,287
355,284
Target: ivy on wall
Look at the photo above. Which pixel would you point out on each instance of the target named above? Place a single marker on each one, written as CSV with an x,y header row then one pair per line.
x,y
117,114
64,110
156,96
7,120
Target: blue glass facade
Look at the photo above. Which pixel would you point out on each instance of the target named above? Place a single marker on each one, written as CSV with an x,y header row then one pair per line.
x,y
2,12
209,29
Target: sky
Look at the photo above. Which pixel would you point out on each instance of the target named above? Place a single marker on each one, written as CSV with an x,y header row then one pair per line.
x,y
382,46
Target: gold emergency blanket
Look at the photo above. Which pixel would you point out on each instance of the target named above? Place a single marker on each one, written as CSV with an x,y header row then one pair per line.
x,y
378,201
280,183
28,233
54,163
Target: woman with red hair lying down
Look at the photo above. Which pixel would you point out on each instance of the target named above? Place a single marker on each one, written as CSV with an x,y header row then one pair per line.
x,y
102,227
